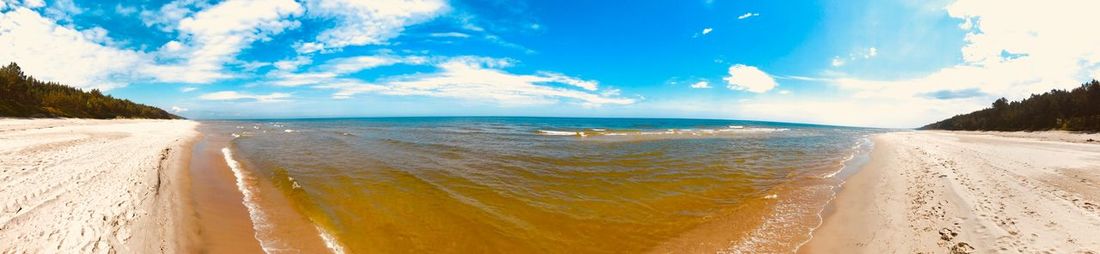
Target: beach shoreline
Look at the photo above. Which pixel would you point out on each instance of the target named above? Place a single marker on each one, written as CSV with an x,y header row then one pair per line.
x,y
238,209
80,185
965,192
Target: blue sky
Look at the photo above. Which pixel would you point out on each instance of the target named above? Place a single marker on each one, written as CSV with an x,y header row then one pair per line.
x,y
866,63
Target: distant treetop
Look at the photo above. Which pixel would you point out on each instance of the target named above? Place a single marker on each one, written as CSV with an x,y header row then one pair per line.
x,y
1075,110
25,96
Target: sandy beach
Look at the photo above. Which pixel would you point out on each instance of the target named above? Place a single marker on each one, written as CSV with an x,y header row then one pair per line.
x,y
969,192
93,186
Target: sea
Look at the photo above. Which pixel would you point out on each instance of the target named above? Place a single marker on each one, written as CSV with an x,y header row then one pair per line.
x,y
530,184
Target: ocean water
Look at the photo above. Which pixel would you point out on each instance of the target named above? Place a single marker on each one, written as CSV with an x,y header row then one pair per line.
x,y
537,185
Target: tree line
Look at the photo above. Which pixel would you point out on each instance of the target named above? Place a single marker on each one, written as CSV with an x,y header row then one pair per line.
x,y
1074,110
25,96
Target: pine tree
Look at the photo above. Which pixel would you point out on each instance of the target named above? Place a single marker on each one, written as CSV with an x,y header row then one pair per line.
x,y
1074,110
25,96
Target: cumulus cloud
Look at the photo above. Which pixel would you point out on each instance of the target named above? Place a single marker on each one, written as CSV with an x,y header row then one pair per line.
x,y
701,84
367,22
748,15
1013,49
89,58
236,96
214,36
62,54
749,78
707,30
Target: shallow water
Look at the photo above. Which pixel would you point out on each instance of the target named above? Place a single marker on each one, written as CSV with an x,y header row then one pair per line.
x,y
546,185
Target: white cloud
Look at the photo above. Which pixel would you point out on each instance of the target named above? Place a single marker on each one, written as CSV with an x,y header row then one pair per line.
x,y
785,92
707,30
749,78
589,85
837,62
482,79
869,113
701,84
748,15
171,13
34,3
125,10
367,22
188,89
251,66
234,96
330,71
301,79
61,54
355,64
854,56
450,35
62,10
1045,42
177,109
214,36
292,64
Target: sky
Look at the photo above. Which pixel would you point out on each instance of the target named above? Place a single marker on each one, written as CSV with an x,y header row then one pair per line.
x,y
875,63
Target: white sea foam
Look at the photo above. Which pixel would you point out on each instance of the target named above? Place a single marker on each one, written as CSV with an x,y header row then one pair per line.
x,y
288,130
693,132
330,241
862,148
858,148
558,133
259,219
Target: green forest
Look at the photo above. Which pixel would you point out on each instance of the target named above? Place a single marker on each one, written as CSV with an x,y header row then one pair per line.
x,y
25,96
1074,110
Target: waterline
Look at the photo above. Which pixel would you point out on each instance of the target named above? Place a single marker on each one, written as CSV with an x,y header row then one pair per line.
x,y
259,219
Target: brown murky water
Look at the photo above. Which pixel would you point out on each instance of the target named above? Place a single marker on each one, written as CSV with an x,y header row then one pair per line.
x,y
226,223
516,185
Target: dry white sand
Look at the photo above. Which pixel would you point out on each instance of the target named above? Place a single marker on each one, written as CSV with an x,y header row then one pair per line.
x,y
92,186
963,192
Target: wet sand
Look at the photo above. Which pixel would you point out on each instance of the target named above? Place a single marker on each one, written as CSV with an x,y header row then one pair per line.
x,y
92,186
223,224
969,192
224,221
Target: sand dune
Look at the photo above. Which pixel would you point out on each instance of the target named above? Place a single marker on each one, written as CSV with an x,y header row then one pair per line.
x,y
92,186
955,192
